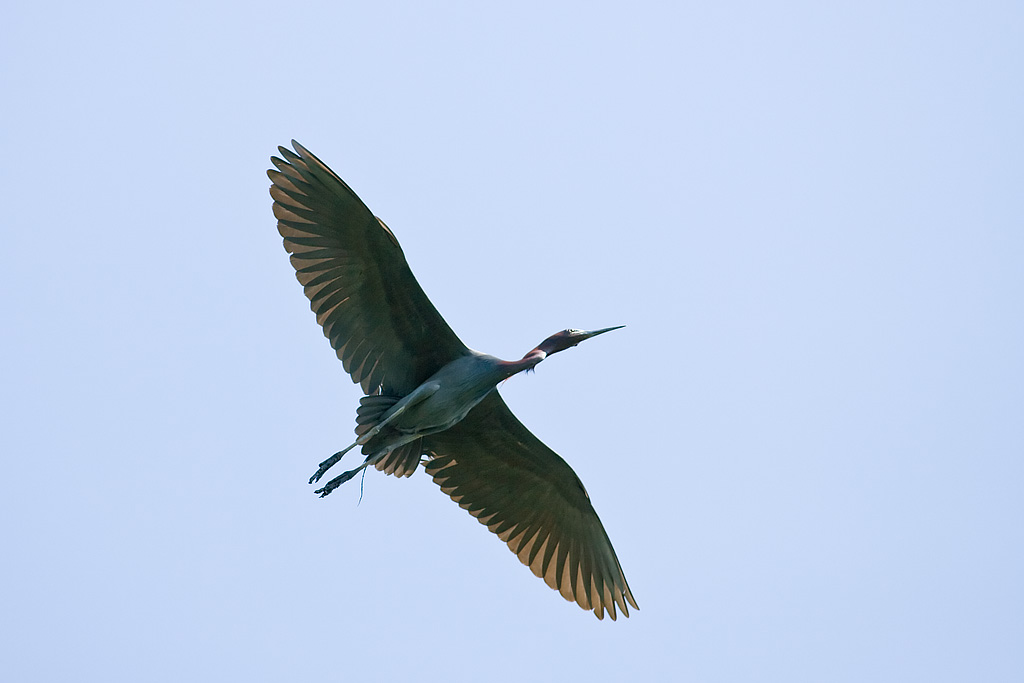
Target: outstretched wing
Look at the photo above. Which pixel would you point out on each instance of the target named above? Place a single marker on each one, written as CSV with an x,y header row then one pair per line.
x,y
376,316
491,465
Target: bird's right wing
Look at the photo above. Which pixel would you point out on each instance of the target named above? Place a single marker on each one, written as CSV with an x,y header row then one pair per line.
x,y
376,316
491,465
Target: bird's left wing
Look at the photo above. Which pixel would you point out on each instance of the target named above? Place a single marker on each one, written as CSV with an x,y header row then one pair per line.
x,y
377,317
491,465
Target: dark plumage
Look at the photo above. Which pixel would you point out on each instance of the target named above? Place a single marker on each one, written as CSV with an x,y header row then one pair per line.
x,y
429,397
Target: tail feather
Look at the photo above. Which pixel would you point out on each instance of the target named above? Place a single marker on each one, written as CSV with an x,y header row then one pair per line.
x,y
402,461
370,410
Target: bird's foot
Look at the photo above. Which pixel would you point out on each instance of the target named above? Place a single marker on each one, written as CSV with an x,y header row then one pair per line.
x,y
326,465
337,481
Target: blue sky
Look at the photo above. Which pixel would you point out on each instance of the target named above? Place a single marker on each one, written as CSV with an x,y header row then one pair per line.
x,y
806,445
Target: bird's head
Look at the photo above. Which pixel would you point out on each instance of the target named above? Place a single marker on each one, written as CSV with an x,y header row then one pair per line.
x,y
566,339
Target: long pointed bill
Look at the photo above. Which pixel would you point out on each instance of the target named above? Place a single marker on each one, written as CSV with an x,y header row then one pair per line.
x,y
593,333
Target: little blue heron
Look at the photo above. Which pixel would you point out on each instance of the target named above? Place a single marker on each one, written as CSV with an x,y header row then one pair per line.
x,y
431,398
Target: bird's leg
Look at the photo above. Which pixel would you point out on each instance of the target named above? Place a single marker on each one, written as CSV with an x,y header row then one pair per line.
x,y
422,392
339,480
342,478
371,459
333,460
330,462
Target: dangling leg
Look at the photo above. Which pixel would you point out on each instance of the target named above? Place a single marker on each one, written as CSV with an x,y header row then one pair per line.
x,y
423,391
333,460
342,478
371,459
330,462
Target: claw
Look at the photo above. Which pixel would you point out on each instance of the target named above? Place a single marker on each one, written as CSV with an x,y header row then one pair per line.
x,y
337,481
319,473
328,464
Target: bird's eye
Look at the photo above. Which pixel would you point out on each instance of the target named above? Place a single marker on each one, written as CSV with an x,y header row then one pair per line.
x,y
573,330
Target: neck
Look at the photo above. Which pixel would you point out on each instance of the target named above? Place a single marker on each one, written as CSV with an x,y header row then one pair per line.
x,y
527,362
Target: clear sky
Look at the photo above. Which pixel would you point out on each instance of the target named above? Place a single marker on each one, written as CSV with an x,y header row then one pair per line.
x,y
807,445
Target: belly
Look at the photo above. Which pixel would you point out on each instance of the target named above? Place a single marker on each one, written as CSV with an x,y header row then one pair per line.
x,y
437,413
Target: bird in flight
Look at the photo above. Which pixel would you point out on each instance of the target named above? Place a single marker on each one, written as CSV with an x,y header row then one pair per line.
x,y
429,398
